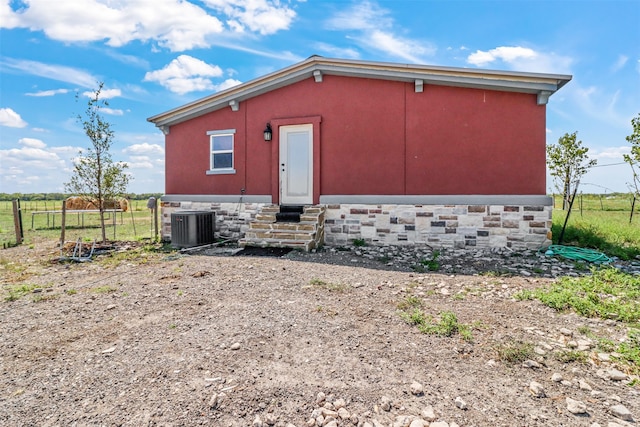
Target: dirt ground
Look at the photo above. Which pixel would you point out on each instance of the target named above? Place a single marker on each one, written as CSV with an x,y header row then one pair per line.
x,y
221,340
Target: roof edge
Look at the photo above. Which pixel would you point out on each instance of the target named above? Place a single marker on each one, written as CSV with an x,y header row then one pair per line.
x,y
534,83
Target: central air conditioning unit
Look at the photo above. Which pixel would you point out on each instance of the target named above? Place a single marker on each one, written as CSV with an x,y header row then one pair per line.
x,y
189,229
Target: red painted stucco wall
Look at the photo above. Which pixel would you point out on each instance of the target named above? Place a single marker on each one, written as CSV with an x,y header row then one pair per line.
x,y
375,137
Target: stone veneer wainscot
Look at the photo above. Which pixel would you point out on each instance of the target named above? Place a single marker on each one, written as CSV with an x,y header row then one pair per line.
x,y
518,222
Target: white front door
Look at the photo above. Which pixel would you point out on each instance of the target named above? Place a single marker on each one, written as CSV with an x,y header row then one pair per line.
x,y
296,165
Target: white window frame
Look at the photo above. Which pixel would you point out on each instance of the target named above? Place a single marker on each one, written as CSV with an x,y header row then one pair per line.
x,y
212,135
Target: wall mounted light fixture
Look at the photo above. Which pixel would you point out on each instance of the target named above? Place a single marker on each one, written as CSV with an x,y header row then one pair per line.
x,y
268,133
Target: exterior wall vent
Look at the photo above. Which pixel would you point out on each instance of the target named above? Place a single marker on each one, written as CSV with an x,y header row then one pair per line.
x,y
189,229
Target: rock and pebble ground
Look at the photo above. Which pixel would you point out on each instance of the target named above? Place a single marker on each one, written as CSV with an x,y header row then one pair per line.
x,y
209,338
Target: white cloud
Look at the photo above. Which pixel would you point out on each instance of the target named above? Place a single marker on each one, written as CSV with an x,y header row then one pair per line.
x,y
521,59
609,154
66,150
177,25
362,16
111,111
48,92
140,162
34,161
104,93
32,143
11,119
375,31
338,52
185,74
144,149
261,16
136,61
229,83
505,53
620,63
51,71
407,49
145,155
598,103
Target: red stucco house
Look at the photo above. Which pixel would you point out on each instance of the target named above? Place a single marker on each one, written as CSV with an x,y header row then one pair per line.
x,y
383,152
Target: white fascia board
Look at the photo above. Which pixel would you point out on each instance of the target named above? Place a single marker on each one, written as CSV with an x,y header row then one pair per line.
x,y
476,82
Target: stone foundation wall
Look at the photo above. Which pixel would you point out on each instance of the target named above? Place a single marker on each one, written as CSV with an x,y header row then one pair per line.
x,y
451,226
517,226
232,219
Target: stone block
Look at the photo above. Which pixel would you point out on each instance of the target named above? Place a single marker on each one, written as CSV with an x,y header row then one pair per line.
x,y
459,210
407,220
368,232
436,230
359,211
476,209
491,224
470,221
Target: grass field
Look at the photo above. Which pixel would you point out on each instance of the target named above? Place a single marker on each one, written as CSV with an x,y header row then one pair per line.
x,y
600,222
39,220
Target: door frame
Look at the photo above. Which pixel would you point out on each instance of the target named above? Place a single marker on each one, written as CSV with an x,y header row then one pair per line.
x,y
275,153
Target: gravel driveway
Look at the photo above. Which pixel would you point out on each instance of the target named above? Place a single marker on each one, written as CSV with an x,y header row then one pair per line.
x,y
300,340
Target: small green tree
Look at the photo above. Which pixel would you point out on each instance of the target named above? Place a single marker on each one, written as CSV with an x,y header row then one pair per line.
x,y
96,177
634,158
568,161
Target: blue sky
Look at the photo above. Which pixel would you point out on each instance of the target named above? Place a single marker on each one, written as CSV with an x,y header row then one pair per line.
x,y
155,55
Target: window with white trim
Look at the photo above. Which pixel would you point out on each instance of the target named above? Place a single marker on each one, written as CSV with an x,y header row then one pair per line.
x,y
221,143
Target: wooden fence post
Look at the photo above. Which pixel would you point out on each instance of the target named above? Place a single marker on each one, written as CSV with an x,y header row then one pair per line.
x,y
133,222
63,223
580,204
17,221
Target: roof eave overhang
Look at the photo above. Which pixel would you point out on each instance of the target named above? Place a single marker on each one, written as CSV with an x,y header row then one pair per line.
x,y
541,84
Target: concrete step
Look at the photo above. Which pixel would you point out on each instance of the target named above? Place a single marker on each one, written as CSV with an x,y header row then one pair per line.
x,y
303,229
305,245
279,235
286,226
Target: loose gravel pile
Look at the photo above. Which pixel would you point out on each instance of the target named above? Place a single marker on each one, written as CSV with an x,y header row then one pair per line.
x,y
299,340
